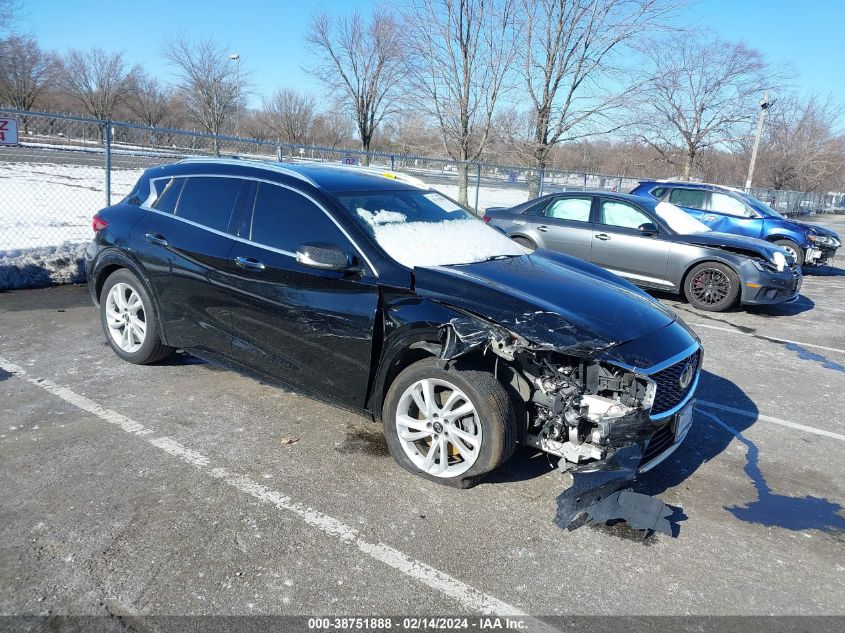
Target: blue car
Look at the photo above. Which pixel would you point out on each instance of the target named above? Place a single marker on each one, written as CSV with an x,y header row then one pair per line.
x,y
729,210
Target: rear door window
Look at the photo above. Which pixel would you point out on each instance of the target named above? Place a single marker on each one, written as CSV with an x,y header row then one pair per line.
x,y
209,200
692,198
285,220
575,209
168,194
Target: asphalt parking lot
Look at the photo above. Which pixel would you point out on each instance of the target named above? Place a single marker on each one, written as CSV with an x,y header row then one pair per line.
x,y
171,489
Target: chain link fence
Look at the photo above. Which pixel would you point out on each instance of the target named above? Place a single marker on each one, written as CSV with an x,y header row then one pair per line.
x,y
65,168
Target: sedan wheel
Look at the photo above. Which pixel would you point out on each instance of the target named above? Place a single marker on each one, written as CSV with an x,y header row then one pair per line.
x,y
439,428
126,318
712,286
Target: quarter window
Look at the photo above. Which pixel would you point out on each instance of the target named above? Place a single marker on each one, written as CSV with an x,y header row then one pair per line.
x,y
169,194
692,198
285,220
622,214
722,203
209,200
576,209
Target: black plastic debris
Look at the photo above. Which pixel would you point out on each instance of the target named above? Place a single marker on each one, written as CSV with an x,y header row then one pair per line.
x,y
602,493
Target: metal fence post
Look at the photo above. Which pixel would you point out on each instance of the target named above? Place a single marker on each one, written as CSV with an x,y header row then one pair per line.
x,y
542,180
477,184
279,153
585,181
107,141
392,164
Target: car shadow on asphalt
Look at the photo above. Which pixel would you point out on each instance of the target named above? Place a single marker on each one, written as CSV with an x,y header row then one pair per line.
x,y
823,271
710,435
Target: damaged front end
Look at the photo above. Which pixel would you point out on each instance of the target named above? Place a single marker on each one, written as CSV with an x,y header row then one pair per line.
x,y
581,409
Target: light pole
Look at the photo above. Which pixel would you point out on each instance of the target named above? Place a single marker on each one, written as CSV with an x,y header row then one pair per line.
x,y
764,108
237,59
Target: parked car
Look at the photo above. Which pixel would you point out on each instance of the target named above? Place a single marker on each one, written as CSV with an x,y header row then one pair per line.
x,y
655,245
730,210
369,290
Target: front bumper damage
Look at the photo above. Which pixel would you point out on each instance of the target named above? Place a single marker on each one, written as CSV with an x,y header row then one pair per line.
x,y
604,441
770,287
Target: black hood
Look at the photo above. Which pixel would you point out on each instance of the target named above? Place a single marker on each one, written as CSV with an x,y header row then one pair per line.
x,y
550,299
750,246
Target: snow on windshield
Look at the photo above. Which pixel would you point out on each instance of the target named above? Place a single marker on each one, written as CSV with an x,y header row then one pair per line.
x,y
678,220
460,241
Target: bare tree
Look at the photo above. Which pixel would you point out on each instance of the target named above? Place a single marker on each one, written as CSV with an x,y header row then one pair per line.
x,y
460,52
95,81
701,93
362,62
24,71
9,10
207,82
290,115
332,128
801,149
569,63
148,99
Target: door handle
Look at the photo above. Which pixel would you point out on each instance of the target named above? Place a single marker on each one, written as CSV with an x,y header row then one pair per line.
x,y
542,228
156,238
250,263
603,236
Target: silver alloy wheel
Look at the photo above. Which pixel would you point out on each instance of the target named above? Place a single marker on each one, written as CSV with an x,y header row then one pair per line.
x,y
791,251
126,318
438,428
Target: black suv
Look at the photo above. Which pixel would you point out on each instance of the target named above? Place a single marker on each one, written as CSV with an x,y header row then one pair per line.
x,y
368,289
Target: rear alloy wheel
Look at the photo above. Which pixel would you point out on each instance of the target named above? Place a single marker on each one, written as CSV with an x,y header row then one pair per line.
x,y
448,426
129,320
711,286
793,249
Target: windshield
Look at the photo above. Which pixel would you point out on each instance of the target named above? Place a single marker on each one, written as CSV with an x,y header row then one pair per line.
x,y
761,206
678,220
425,228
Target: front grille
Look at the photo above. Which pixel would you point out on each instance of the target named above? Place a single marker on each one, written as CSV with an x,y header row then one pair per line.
x,y
669,392
662,439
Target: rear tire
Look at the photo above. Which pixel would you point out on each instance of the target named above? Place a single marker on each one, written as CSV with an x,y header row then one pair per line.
x,y
524,241
711,286
129,320
797,251
476,442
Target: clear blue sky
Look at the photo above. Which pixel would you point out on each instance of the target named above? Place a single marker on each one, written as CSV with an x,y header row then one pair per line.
x,y
269,35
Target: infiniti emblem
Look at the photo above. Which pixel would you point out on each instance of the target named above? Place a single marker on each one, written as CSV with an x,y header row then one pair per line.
x,y
685,378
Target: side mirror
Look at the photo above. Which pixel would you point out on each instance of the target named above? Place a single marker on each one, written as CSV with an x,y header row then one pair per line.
x,y
325,257
647,229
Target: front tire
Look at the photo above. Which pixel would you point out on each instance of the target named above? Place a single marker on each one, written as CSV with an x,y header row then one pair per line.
x,y
447,425
711,286
792,247
129,320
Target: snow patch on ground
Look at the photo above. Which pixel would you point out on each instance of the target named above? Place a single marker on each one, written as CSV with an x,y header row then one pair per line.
x,y
42,266
488,197
420,244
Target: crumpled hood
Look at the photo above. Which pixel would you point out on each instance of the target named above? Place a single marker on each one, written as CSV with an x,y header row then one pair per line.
x,y
818,229
751,246
550,299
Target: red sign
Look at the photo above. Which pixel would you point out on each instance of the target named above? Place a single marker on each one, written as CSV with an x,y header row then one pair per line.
x,y
8,131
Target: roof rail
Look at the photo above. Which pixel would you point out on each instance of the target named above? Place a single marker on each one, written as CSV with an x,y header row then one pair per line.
x,y
261,164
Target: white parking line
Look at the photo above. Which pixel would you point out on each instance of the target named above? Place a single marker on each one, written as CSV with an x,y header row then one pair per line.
x,y
768,418
773,338
451,587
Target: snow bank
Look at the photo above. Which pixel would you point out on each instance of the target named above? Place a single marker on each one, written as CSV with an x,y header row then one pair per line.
x,y
414,244
42,266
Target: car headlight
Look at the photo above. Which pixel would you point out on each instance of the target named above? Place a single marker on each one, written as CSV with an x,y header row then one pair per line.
x,y
763,266
779,260
825,240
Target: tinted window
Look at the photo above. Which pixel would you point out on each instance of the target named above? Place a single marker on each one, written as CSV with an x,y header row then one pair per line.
x,y
577,209
722,203
168,194
622,214
658,193
285,220
209,201
693,198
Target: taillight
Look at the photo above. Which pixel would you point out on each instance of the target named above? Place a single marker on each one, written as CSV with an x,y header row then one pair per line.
x,y
486,218
98,223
